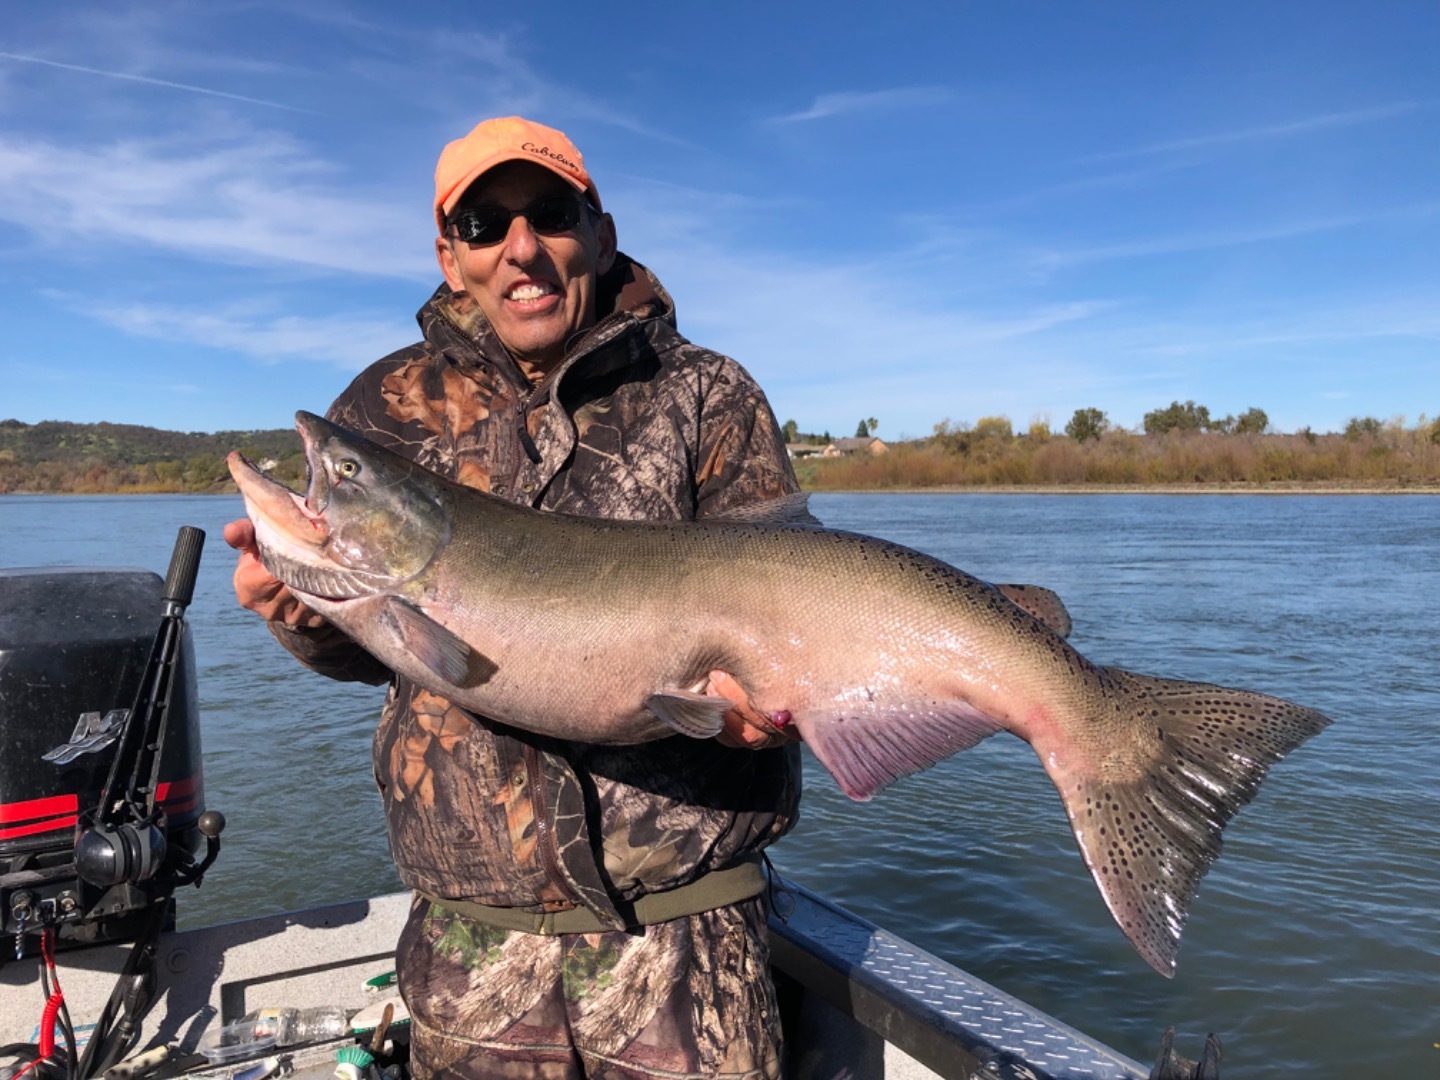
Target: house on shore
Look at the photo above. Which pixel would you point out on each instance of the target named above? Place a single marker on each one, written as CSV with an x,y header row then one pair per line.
x,y
868,444
804,449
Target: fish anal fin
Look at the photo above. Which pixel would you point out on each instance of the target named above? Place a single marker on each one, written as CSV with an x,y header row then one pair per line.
x,y
700,716
865,753
1149,825
1042,603
433,645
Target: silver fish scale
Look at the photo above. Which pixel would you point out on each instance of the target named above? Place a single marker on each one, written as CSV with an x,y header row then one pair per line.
x,y
874,972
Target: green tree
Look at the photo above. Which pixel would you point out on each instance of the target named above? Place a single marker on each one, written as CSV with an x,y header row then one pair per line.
x,y
791,431
1252,422
1087,424
1177,417
953,437
861,430
1360,426
994,427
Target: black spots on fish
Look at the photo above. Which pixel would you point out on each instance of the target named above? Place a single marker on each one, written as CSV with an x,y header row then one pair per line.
x,y
1150,828
1146,867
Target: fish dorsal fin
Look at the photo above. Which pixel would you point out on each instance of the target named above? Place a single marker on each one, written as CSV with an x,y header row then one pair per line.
x,y
1041,603
793,509
433,645
700,716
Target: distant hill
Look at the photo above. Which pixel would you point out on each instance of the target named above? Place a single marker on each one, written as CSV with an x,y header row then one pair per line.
x,y
59,456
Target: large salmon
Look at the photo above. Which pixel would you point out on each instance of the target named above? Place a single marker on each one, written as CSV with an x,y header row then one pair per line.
x,y
886,659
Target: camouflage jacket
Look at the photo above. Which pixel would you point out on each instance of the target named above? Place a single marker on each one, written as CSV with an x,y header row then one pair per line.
x,y
637,423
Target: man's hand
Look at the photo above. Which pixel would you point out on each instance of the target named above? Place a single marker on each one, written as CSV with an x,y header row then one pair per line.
x,y
257,590
746,727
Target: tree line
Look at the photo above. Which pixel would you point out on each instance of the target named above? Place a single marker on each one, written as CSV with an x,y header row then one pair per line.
x,y
1176,445
61,457
1180,444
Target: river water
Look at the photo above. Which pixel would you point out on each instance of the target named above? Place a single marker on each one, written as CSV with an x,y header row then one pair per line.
x,y
1313,947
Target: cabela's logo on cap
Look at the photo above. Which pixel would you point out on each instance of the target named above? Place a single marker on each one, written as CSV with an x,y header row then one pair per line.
x,y
553,155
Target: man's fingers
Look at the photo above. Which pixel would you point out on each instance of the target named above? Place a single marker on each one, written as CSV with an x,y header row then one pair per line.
x,y
240,535
260,591
746,727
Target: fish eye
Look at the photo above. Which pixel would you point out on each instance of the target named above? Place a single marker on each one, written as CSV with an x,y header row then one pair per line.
x,y
348,467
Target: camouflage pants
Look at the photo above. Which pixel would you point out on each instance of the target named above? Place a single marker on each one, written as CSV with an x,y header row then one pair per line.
x,y
690,998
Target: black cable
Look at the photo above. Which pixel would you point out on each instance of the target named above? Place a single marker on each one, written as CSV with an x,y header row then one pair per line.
x,y
94,1062
67,1029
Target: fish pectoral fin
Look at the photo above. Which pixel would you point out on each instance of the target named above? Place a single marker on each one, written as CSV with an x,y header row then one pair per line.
x,y
433,645
698,715
1041,603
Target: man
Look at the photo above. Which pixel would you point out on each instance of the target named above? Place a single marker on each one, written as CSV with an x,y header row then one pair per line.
x,y
580,910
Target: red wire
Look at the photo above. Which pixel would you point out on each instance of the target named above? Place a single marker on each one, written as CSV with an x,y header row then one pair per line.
x,y
47,951
47,1024
52,1005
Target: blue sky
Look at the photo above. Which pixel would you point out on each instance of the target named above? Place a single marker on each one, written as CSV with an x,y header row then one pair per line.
x,y
212,215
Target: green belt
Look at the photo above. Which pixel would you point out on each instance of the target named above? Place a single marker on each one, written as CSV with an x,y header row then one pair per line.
x,y
717,889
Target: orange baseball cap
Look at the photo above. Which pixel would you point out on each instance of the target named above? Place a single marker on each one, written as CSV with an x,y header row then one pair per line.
x,y
494,142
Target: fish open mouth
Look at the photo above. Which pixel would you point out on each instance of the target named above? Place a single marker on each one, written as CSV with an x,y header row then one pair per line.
x,y
286,512
293,534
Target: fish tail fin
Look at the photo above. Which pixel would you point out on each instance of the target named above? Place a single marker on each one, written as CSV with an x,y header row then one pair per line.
x,y
1148,817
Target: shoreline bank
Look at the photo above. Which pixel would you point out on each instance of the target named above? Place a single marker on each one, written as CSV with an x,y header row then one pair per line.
x,y
1141,489
953,489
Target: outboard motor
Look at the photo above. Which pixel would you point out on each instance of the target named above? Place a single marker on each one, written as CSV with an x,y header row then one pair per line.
x,y
102,811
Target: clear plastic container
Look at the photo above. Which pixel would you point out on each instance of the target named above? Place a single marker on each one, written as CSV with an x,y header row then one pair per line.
x,y
289,1026
235,1042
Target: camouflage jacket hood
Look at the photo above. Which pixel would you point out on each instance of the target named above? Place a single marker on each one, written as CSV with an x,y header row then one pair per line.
x,y
636,423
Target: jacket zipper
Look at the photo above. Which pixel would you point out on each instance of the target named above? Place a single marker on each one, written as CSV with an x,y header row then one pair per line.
x,y
544,835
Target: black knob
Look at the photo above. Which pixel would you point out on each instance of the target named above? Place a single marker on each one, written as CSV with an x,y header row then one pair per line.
x,y
211,823
184,565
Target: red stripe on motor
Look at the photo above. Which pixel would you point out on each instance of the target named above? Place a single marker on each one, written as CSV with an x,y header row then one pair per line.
x,y
176,789
55,812
53,825
31,809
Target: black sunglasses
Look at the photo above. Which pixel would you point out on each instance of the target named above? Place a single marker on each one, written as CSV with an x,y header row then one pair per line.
x,y
486,225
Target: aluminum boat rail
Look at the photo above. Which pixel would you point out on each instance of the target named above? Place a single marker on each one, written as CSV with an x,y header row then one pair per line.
x,y
899,1011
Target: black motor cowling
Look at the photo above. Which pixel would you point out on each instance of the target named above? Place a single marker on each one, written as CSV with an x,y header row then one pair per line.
x,y
74,646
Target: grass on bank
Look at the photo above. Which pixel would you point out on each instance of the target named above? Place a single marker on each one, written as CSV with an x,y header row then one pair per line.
x,y
1391,457
1369,455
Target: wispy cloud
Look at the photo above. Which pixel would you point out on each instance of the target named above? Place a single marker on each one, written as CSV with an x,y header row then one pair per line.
x,y
854,101
345,341
252,198
1347,118
1328,324
147,80
1222,238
